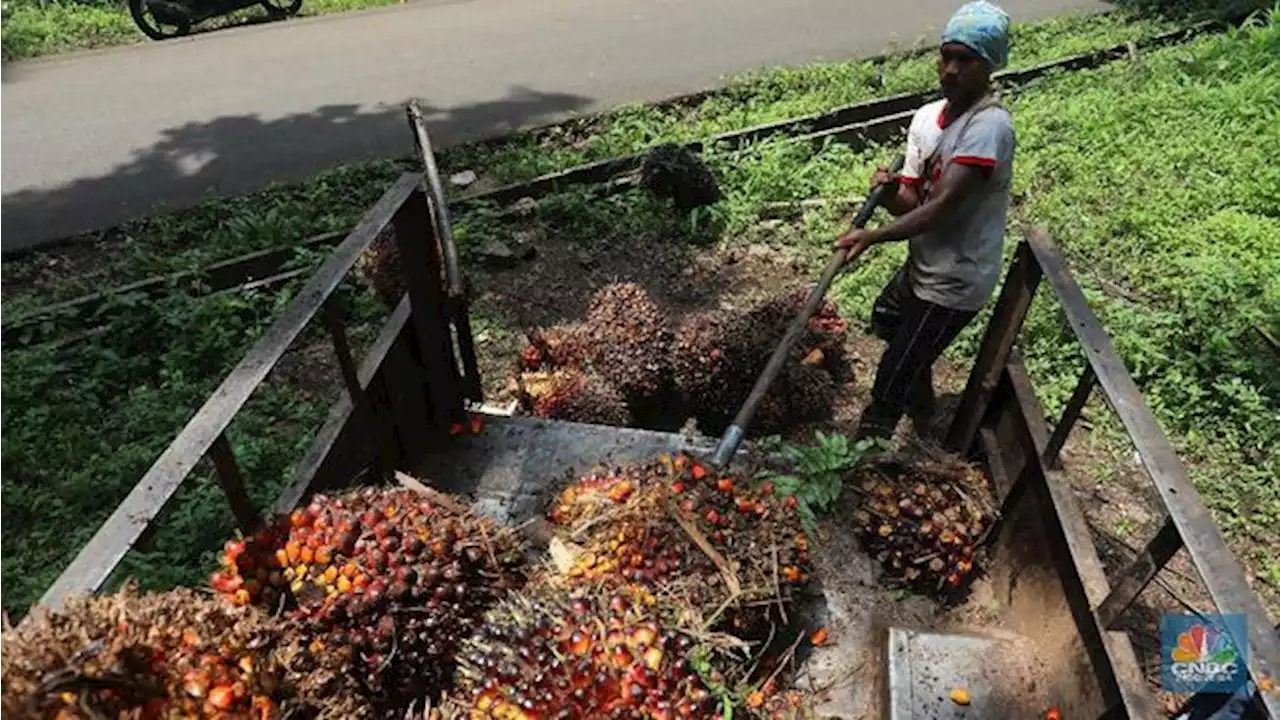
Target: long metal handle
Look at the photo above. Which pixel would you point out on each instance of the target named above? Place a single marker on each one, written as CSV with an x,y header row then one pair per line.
x,y
440,214
734,434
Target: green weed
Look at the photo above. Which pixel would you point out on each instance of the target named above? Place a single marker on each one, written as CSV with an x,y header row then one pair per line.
x,y
84,422
817,472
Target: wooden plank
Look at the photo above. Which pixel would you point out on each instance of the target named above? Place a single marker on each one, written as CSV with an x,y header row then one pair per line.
x,y
1070,414
1084,580
1221,572
1132,580
95,561
1002,331
228,471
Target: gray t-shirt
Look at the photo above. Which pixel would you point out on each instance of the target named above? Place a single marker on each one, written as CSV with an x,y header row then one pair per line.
x,y
957,265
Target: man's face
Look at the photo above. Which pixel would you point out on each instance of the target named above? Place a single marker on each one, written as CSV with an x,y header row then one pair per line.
x,y
961,72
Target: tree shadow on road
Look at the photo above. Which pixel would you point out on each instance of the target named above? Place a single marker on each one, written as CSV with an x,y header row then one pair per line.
x,y
239,154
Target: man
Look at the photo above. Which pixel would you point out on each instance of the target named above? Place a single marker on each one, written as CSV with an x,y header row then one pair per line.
x,y
951,201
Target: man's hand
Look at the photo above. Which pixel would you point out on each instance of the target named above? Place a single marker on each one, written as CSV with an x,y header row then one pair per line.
x,y
882,176
856,241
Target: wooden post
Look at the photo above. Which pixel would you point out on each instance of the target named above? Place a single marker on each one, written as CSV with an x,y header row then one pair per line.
x,y
1011,309
334,322
224,461
421,265
1137,575
1080,396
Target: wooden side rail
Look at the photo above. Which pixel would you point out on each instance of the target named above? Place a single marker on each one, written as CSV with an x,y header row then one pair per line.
x,y
1188,522
405,207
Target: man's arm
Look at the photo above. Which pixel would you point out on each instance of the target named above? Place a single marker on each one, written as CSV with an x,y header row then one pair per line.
x,y
956,184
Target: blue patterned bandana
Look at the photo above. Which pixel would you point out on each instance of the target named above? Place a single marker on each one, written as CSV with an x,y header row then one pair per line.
x,y
984,29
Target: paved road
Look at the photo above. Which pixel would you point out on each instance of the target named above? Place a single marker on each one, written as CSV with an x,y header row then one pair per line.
x,y
94,139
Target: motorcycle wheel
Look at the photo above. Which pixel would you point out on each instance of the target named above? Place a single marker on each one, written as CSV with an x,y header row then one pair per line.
x,y
151,26
282,8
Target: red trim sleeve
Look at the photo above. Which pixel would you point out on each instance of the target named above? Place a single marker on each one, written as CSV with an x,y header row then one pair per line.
x,y
909,181
988,165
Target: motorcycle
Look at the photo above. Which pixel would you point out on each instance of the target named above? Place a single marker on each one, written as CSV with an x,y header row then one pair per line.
x,y
163,19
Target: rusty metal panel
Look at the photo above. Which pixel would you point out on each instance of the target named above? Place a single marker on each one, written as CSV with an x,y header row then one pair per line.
x,y
1084,580
515,461
94,563
1218,567
1002,332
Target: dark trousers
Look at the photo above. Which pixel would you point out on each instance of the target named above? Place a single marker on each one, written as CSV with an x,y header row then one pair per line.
x,y
917,332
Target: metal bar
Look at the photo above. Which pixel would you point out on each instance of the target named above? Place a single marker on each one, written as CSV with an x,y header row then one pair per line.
x,y
1132,580
457,311
334,322
1218,567
224,461
440,208
97,559
1083,578
1070,414
1002,331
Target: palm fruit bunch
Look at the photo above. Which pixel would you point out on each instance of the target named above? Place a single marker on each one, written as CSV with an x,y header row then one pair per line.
x,y
383,571
607,370
558,346
924,520
627,339
575,395
548,655
671,524
379,268
709,370
156,655
822,343
678,174
717,358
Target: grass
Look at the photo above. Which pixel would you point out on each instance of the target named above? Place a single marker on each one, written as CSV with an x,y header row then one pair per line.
x,y
778,94
1196,236
35,28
